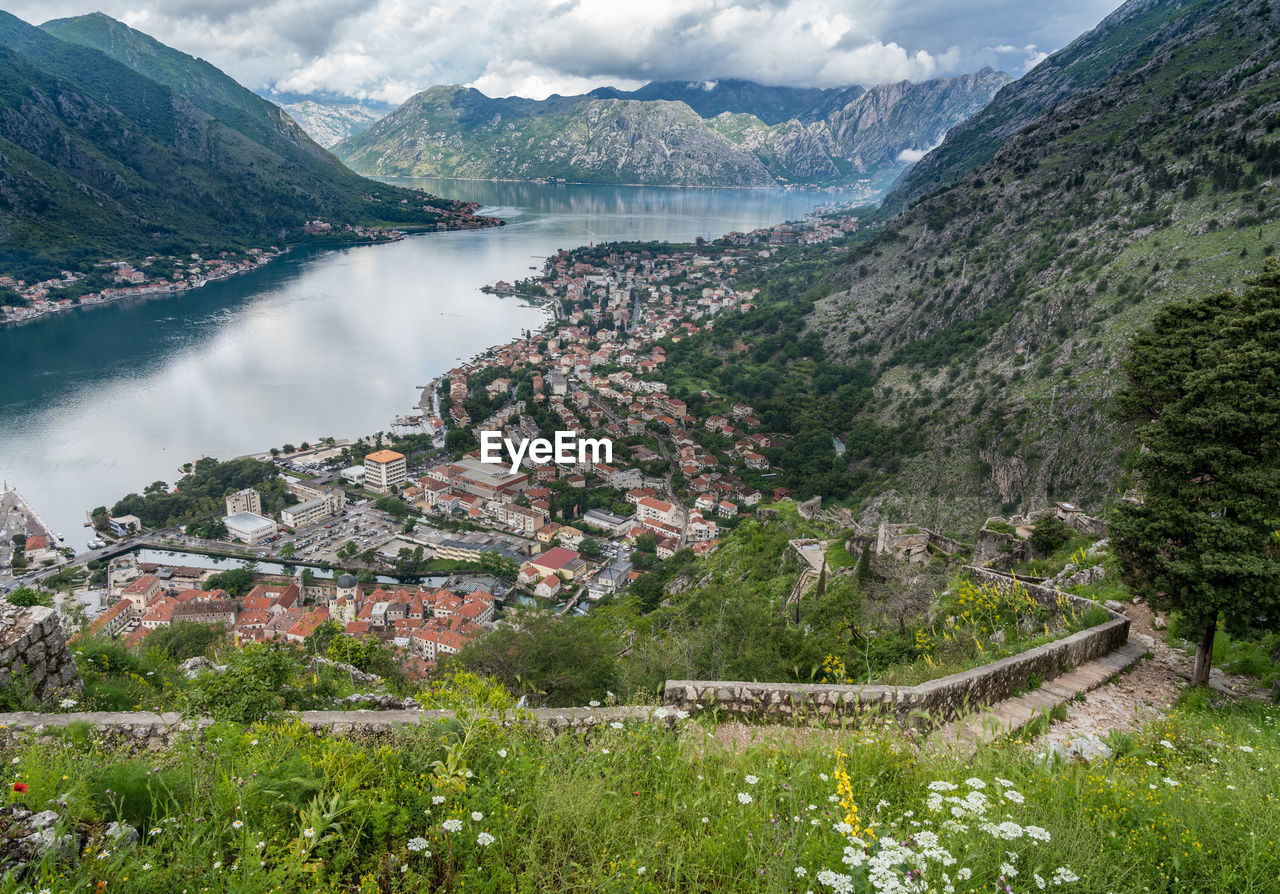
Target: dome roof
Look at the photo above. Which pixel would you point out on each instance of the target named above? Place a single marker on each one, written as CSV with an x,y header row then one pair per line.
x,y
346,581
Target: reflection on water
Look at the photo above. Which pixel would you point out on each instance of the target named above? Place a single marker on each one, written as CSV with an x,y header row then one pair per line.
x,y
94,404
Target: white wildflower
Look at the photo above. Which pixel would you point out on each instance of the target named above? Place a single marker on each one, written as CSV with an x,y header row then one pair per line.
x,y
1173,783
941,785
744,798
476,816
1014,796
964,874
484,839
1040,882
417,844
752,780
452,825
801,872
615,725
502,752
1063,875
437,799
975,782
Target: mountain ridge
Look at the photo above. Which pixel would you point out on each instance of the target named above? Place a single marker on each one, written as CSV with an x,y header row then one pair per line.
x,y
103,160
653,135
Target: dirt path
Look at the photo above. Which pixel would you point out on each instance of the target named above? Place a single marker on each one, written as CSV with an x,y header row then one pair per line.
x,y
1146,692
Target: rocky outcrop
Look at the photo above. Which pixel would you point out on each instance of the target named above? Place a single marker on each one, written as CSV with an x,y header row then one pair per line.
x,y
330,123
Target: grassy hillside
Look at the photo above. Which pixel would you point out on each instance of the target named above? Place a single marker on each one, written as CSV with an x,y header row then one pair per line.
x,y
103,160
1188,804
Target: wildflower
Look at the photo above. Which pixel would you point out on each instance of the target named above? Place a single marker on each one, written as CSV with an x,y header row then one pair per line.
x,y
484,839
1040,882
1166,743
476,816
640,871
146,867
940,785
1036,832
744,798
452,825
217,864
801,872
604,750
104,855
1003,783
260,845
964,873
253,741
706,819
309,832
974,782
593,703
67,703
1015,797
237,824
822,776
752,780
417,844
438,799
1008,870
1173,783
502,752
615,725
1245,748
154,830
19,787
1063,875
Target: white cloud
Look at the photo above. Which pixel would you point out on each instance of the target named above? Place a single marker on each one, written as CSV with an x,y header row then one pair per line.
x,y
388,49
911,156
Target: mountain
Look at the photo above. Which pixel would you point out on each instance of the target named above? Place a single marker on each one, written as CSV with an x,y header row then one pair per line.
x,y
115,145
967,351
331,123
734,133
772,105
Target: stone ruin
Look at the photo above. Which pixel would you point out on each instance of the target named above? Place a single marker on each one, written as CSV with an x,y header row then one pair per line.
x,y
34,658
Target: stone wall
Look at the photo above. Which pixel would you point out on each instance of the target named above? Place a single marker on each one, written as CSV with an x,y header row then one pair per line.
x,y
934,702
149,730
34,657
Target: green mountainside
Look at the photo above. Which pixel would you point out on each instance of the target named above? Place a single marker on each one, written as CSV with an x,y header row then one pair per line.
x,y
672,134
114,145
967,353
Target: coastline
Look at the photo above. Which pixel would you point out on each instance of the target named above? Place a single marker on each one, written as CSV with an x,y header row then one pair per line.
x,y
261,258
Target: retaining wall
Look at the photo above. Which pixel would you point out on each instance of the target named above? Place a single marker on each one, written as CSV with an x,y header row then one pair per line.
x,y
936,701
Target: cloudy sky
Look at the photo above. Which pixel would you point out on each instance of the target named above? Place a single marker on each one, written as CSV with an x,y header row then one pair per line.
x,y
389,49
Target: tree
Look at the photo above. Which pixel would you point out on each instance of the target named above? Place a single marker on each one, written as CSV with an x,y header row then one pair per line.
x,y
1202,398
27,597
1050,533
185,639
236,581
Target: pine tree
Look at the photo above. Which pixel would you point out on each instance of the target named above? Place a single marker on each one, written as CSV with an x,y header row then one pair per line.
x,y
1203,399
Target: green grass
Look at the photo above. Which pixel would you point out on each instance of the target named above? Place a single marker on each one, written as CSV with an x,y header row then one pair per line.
x,y
641,808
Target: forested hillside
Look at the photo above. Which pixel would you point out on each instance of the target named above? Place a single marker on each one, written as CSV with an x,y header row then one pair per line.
x,y
968,351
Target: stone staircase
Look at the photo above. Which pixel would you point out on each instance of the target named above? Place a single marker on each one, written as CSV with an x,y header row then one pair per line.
x,y
962,737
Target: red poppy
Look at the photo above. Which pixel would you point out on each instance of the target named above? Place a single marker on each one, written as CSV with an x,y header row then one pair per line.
x,y
19,786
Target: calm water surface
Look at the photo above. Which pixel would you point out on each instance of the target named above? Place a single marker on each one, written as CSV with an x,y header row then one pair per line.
x,y
97,403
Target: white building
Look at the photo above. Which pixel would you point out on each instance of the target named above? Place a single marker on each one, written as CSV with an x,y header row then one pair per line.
x,y
353,474
249,527
385,470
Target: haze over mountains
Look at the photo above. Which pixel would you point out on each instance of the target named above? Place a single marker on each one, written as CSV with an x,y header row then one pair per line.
x,y
723,133
115,145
